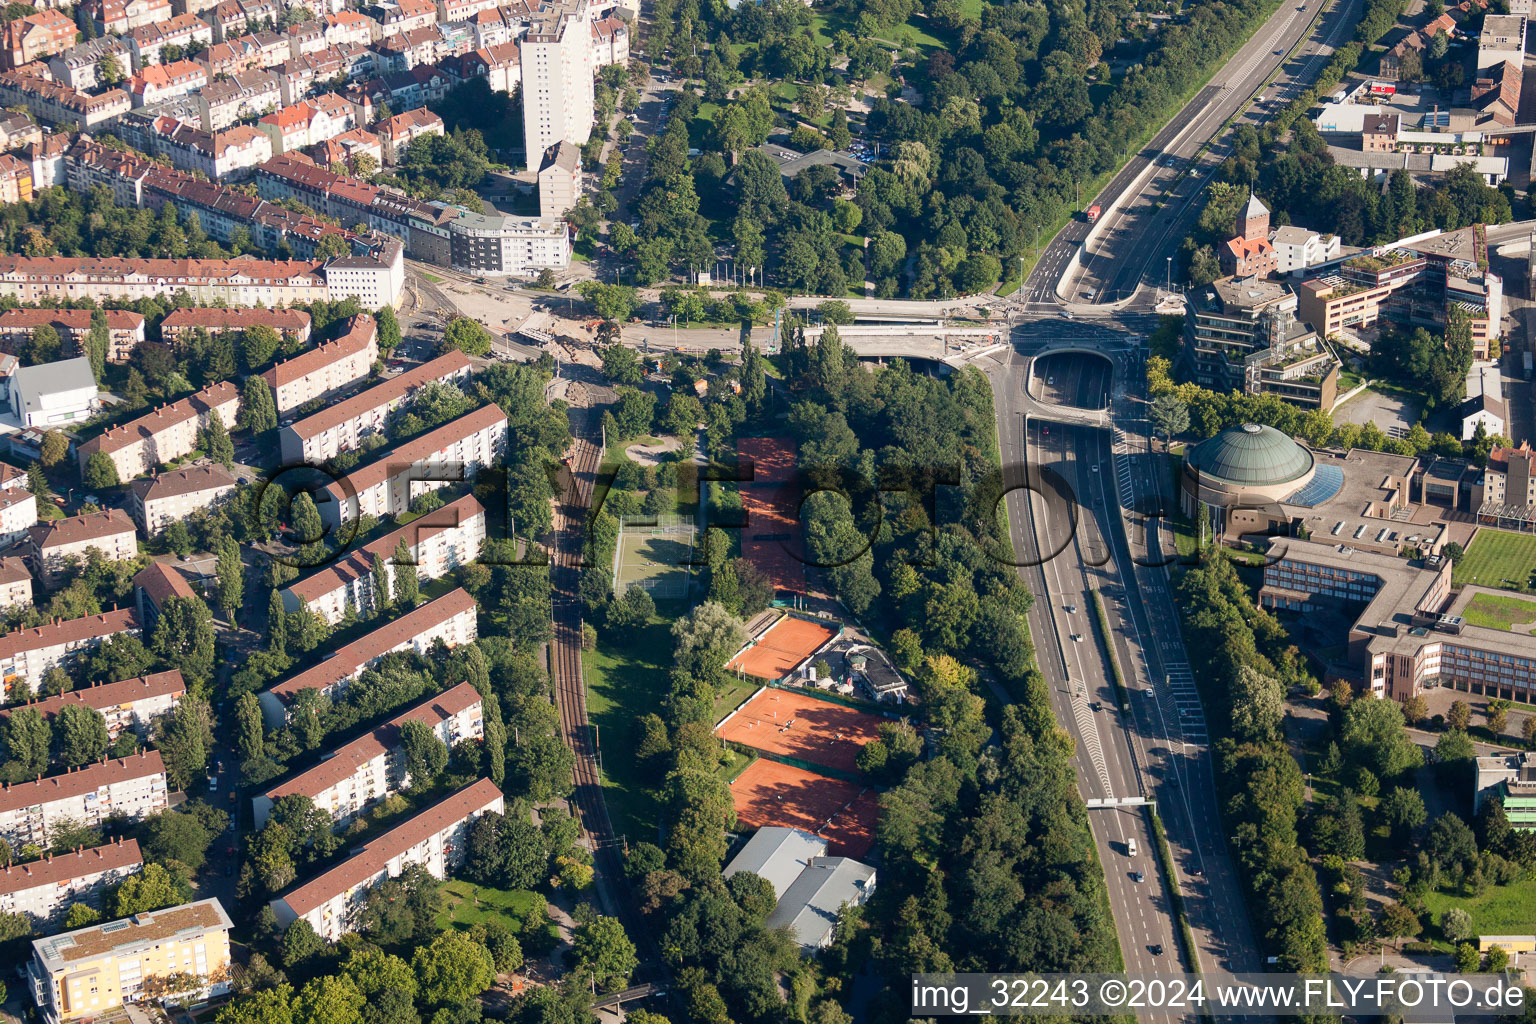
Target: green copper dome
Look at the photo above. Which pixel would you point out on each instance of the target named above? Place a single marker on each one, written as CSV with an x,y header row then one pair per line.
x,y
1251,455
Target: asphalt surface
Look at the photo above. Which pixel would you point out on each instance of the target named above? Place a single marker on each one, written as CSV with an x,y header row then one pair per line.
x,y
1147,225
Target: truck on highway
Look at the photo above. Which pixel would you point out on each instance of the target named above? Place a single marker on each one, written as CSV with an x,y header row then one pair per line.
x,y
1092,213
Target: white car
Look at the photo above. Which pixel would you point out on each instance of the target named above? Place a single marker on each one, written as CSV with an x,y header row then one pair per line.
x,y
1077,638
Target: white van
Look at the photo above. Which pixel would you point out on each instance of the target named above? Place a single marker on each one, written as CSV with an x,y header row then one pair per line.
x,y
1130,846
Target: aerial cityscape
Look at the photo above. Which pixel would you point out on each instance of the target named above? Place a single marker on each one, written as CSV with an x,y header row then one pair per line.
x,y
766,511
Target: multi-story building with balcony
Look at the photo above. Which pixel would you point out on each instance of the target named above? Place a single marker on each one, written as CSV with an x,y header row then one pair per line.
x,y
128,704
180,325
386,486
165,498
27,654
166,433
125,329
451,618
358,775
327,368
436,839
438,542
87,973
43,889
38,36
132,786
54,545
343,426
1418,282
1243,333
15,579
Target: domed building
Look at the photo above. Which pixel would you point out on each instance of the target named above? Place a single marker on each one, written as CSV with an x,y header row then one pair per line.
x,y
1244,467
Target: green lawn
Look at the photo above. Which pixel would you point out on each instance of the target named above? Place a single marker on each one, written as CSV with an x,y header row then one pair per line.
x,y
1498,558
468,904
431,277
626,679
1501,910
1497,611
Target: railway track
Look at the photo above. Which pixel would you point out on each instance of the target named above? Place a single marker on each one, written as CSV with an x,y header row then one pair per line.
x,y
587,802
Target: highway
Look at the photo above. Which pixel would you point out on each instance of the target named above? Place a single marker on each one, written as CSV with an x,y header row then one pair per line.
x,y
1141,220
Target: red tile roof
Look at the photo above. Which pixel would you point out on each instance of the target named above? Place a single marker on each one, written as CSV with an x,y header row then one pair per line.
x,y
108,695
375,856
345,762
63,867
214,319
81,529
450,364
182,481
392,461
360,333
36,638
77,781
161,582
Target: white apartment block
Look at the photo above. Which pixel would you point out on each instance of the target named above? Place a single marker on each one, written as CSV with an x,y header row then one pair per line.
x,y
44,889
132,786
1298,248
166,433
439,542
54,544
386,486
559,180
26,654
36,279
610,41
18,514
15,582
327,368
127,704
558,103
342,427
451,618
162,499
355,777
435,839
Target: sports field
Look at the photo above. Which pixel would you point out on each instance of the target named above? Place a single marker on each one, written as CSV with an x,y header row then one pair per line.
x,y
654,553
842,813
771,540
1497,558
798,725
780,647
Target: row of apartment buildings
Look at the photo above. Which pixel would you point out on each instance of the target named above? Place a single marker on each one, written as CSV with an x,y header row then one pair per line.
x,y
133,786
129,704
326,368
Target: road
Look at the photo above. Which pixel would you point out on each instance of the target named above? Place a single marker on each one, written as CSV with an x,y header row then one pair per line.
x,y
1156,746
1138,233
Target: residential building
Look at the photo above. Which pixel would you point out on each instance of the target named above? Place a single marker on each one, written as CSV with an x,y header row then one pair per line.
x,y
26,654
1298,248
386,486
450,619
308,122
180,325
610,42
1243,333
343,426
346,148
1504,491
559,181
1511,778
557,80
15,577
184,31
375,279
44,889
121,16
812,905
327,368
461,10
131,704
358,775
18,514
1496,93
500,64
18,130
1415,282
38,37
240,95
165,498
56,103
396,16
237,17
348,27
436,839
156,82
15,179
133,787
498,245
52,394
154,586
53,545
231,57
125,329
85,973
438,542
398,132
77,67
165,433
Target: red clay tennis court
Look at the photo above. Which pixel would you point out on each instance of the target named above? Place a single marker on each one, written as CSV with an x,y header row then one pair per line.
x,y
797,725
781,647
771,540
842,813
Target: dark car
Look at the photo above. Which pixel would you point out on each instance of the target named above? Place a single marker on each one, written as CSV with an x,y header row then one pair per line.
x,y
1156,948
